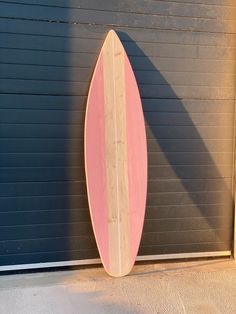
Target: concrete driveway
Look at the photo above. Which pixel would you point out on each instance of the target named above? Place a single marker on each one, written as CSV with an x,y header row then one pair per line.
x,y
202,286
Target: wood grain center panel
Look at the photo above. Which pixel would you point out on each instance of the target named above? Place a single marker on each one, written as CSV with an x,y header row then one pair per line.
x,y
116,156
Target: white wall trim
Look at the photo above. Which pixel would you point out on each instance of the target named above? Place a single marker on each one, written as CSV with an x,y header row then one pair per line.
x,y
98,261
183,255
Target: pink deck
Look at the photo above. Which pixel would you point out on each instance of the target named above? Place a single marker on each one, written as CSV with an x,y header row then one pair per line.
x,y
96,162
137,159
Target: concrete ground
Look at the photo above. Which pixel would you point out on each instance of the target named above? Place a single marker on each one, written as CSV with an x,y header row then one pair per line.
x,y
200,286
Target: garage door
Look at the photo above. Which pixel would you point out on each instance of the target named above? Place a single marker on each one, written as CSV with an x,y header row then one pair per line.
x,y
183,55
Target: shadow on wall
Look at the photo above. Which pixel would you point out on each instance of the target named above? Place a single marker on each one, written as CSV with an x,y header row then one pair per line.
x,y
189,186
176,150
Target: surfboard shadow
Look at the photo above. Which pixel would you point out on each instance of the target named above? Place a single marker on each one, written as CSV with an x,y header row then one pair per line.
x,y
187,191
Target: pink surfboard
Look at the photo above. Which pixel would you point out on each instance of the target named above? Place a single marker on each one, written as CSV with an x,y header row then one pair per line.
x,y
115,158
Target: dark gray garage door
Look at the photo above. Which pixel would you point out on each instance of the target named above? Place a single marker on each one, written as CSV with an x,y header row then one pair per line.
x,y
183,55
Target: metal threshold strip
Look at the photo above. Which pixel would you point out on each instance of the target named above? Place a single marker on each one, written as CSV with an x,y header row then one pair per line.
x,y
98,261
